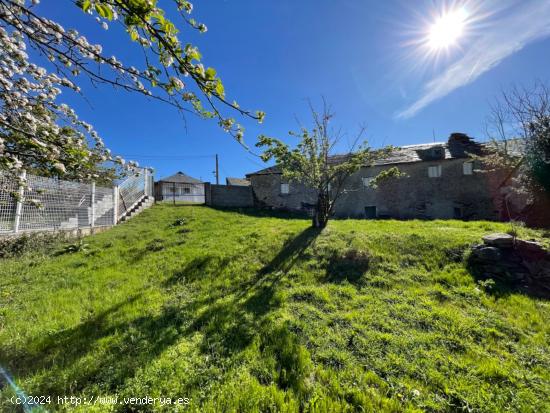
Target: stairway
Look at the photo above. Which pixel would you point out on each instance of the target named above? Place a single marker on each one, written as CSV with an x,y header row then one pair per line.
x,y
144,203
105,206
102,207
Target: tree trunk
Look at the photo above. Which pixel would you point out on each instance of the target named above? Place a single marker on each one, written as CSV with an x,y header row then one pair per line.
x,y
321,213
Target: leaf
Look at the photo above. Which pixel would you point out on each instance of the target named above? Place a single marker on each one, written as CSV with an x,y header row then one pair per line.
x,y
210,73
220,90
86,4
104,11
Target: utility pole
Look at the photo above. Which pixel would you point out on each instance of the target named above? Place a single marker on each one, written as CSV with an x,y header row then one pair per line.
x,y
217,171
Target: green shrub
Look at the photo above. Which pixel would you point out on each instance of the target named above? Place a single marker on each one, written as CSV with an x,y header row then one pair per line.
x,y
12,247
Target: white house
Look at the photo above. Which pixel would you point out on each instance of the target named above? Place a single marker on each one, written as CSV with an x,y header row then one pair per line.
x,y
181,188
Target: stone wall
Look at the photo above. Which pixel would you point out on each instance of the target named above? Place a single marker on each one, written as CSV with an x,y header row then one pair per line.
x,y
517,263
453,195
267,193
229,196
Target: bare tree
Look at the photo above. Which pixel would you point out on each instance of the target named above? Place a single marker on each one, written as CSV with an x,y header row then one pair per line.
x,y
519,125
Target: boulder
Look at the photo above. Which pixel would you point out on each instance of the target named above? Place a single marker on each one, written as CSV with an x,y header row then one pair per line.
x,y
499,240
487,254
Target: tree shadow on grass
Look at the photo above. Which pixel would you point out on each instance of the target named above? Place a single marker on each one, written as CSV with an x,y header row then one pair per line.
x,y
108,348
293,249
103,353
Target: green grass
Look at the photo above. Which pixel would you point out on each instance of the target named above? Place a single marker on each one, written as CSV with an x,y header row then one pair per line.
x,y
247,312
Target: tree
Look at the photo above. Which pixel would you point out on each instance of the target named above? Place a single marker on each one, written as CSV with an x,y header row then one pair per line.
x,y
312,163
523,113
36,129
73,161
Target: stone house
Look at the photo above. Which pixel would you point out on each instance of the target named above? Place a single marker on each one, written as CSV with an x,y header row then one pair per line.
x,y
442,181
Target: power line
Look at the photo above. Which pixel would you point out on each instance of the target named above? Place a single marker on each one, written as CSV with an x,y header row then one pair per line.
x,y
255,162
172,157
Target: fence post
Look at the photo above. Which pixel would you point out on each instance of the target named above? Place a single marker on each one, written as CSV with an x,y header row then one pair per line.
x,y
92,223
207,193
115,205
149,184
146,183
19,206
152,183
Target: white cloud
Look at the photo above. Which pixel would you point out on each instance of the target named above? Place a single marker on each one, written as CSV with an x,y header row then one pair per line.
x,y
524,24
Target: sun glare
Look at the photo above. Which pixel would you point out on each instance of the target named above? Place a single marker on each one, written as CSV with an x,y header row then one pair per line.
x,y
448,29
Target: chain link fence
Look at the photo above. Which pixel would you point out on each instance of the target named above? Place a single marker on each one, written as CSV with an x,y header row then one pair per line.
x,y
49,204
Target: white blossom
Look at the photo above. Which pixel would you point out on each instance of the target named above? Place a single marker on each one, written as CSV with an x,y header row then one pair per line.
x,y
177,83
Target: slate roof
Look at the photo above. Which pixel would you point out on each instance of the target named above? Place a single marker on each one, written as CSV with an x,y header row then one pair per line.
x,y
237,181
513,147
458,146
181,178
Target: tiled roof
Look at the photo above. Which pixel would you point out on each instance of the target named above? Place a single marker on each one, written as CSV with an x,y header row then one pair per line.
x,y
181,178
458,146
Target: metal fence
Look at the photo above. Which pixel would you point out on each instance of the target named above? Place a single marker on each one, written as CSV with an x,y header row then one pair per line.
x,y
180,192
132,190
49,204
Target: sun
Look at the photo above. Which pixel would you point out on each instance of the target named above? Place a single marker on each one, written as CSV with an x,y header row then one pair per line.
x,y
447,29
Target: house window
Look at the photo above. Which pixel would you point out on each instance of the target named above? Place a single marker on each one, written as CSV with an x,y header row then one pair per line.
x,y
370,212
468,168
285,188
367,181
186,190
434,171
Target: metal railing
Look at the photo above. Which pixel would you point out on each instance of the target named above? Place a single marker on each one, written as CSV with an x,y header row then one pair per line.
x,y
50,204
133,190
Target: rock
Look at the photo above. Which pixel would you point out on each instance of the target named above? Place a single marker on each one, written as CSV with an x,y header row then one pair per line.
x,y
517,276
491,254
545,271
519,263
499,240
531,248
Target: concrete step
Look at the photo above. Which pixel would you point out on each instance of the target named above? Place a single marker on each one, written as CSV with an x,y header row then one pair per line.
x,y
143,204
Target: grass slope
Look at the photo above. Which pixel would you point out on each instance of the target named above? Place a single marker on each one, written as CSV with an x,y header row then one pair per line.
x,y
242,312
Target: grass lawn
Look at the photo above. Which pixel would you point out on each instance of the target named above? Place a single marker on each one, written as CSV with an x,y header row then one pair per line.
x,y
244,312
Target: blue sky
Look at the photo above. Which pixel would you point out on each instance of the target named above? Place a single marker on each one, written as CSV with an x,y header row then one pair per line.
x,y
367,58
